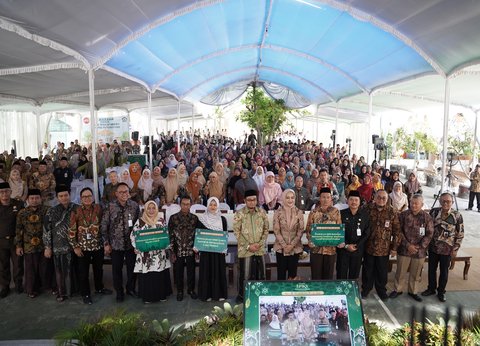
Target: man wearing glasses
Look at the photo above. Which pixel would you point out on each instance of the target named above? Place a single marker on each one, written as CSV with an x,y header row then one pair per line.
x,y
447,237
117,223
382,243
86,240
250,225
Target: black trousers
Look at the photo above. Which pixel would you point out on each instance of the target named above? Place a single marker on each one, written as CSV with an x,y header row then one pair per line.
x,y
348,266
250,268
434,260
7,256
96,259
62,264
471,198
38,273
286,264
322,266
375,272
179,270
119,257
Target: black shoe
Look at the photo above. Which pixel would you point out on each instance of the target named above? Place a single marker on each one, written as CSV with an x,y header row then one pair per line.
x,y
415,296
132,294
365,295
193,295
179,296
4,292
468,209
441,297
428,292
120,298
104,291
383,297
395,294
87,300
239,300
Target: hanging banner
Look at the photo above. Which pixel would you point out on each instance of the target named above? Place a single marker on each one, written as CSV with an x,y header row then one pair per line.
x,y
108,129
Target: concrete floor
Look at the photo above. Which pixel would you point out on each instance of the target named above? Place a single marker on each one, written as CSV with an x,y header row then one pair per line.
x,y
41,318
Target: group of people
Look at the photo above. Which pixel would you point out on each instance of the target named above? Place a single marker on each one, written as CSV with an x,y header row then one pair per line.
x,y
383,217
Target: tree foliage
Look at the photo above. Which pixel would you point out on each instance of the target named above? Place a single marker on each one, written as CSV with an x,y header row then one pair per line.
x,y
408,142
264,114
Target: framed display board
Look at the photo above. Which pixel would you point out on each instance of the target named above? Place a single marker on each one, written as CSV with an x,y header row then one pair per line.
x,y
141,159
326,234
152,239
207,240
324,313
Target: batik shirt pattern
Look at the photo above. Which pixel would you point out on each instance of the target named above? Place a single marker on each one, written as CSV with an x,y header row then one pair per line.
x,y
29,230
84,230
56,227
117,224
384,231
250,227
332,216
448,231
415,230
181,228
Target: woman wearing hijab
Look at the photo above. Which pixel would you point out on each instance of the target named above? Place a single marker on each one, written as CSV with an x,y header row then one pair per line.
x,y
282,175
220,170
289,182
272,192
145,186
182,175
201,177
212,282
366,189
214,187
17,185
376,182
354,185
259,178
135,173
171,186
243,184
157,177
153,266
313,181
398,198
394,177
385,176
288,228
194,189
125,178
412,186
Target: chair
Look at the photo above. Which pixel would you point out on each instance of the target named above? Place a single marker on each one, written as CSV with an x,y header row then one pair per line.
x,y
197,207
224,206
240,206
170,210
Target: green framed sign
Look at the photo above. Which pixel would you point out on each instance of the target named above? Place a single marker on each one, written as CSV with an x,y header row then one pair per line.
x,y
326,234
324,313
152,239
140,158
208,240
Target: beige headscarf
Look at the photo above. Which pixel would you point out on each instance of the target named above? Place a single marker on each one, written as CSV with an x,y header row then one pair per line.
x,y
150,221
171,186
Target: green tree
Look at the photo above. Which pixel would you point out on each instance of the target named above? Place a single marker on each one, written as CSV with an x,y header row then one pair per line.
x,y
264,114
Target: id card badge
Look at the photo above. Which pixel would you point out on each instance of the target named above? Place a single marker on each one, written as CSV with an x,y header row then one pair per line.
x,y
130,223
302,202
422,231
65,175
359,232
387,223
89,236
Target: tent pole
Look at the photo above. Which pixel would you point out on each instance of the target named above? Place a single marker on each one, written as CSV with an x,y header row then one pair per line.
x,y
178,126
150,137
93,127
193,124
475,158
446,111
336,125
39,130
370,106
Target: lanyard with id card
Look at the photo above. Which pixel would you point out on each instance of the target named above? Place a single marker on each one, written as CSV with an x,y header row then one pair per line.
x,y
422,231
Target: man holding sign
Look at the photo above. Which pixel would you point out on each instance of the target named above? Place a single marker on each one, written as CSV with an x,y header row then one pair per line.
x,y
250,226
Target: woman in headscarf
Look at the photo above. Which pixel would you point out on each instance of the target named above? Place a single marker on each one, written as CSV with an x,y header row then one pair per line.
x,y
157,177
135,173
376,182
194,189
221,174
366,189
145,186
182,175
125,178
171,186
394,177
259,178
412,186
171,161
289,182
201,178
212,281
282,175
153,266
398,198
385,176
243,184
17,185
288,228
313,181
272,192
354,185
214,187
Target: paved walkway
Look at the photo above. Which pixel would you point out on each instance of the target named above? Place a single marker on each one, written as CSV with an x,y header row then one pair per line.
x,y
41,318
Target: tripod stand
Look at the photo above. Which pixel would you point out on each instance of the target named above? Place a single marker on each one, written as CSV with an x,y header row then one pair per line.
x,y
448,178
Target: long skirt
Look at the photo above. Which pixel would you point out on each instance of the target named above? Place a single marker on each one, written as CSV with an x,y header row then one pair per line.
x,y
212,282
154,286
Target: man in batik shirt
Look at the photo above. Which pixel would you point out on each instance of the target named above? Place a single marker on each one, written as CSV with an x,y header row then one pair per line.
x,y
447,238
250,225
181,228
55,238
416,230
29,243
118,219
45,182
86,240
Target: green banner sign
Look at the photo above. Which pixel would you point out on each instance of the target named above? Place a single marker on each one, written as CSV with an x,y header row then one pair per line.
x,y
211,241
326,313
152,239
325,234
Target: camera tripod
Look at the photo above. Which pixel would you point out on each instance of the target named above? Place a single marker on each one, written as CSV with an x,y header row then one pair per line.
x,y
448,179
